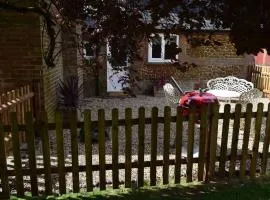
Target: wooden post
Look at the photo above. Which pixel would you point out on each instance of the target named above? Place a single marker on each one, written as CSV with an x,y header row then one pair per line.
x,y
245,141
46,154
17,156
60,152
266,143
211,142
191,124
22,103
74,151
141,147
166,144
3,166
31,152
154,128
115,148
234,142
178,144
101,141
88,149
128,147
224,140
203,132
255,148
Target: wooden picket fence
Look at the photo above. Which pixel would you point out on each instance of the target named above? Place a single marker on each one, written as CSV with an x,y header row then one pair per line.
x,y
19,101
261,79
207,160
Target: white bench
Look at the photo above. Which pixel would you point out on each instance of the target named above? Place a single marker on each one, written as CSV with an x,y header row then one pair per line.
x,y
229,87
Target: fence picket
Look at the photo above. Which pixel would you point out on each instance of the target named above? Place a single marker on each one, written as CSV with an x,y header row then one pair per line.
x,y
236,126
46,154
74,151
178,144
19,115
213,139
266,143
31,152
190,145
17,155
115,149
141,129
166,144
128,147
101,141
60,152
224,140
13,101
22,107
28,99
3,165
245,141
255,148
203,131
88,150
154,128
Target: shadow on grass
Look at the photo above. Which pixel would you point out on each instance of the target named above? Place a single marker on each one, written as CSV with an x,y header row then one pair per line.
x,y
248,190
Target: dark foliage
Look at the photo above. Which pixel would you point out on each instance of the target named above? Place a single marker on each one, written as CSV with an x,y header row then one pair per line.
x,y
124,23
68,93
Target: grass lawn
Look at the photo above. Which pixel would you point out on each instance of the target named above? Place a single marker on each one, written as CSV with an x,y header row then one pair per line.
x,y
249,190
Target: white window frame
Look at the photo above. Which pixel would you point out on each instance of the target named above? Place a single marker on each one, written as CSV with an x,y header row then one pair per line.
x,y
162,59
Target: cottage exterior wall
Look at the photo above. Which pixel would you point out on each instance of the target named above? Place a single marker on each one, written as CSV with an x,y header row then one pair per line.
x,y
21,60
210,62
20,52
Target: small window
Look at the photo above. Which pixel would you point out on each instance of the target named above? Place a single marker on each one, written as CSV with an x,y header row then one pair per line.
x,y
161,49
89,51
156,47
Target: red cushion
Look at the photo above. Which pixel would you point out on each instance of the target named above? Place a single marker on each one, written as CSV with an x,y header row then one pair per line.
x,y
198,99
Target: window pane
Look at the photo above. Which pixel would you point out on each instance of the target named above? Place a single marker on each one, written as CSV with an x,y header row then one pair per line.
x,y
170,47
156,47
89,50
118,50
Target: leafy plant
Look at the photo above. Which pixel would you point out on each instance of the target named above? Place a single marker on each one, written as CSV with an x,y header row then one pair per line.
x,y
68,93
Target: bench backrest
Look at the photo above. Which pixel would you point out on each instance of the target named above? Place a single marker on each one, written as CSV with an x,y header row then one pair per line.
x,y
230,83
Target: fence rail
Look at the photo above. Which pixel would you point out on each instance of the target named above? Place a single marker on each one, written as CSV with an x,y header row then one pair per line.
x,y
261,79
19,101
209,162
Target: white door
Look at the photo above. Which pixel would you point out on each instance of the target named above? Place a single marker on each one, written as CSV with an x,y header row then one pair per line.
x,y
116,79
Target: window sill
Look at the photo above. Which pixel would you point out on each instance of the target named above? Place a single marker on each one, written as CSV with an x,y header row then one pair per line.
x,y
160,61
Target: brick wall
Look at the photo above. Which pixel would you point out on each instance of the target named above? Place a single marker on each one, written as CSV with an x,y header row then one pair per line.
x,y
51,76
210,62
20,52
227,50
50,80
21,58
69,54
72,55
